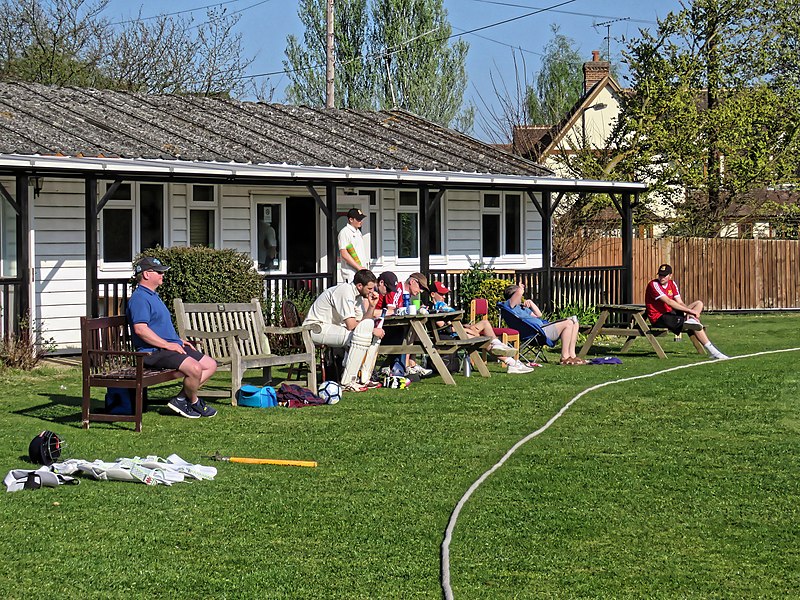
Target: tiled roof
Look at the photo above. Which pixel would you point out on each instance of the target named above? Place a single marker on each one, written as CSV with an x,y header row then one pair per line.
x,y
42,120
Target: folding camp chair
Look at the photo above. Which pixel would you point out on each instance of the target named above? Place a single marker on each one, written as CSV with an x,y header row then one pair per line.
x,y
532,337
479,307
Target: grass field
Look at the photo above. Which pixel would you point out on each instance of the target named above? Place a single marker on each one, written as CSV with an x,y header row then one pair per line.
x,y
682,485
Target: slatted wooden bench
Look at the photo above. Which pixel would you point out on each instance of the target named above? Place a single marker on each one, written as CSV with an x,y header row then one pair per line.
x,y
108,360
235,335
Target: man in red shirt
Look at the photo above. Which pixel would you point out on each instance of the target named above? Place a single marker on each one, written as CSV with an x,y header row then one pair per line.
x,y
665,308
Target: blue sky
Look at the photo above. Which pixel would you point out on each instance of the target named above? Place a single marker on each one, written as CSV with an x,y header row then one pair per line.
x,y
266,23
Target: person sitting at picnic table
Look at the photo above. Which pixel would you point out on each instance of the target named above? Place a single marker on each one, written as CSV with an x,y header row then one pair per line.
x,y
390,299
565,330
666,309
503,352
345,323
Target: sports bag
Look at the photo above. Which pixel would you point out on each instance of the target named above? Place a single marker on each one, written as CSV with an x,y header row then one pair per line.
x,y
257,397
294,396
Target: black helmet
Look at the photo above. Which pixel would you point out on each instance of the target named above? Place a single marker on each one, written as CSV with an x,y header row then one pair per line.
x,y
45,448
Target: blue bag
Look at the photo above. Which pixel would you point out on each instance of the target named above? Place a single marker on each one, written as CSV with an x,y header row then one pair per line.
x,y
257,397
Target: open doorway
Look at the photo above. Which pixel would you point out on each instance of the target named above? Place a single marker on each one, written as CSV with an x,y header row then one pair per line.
x,y
301,243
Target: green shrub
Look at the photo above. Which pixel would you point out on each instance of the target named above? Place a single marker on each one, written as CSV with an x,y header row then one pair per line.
x,y
200,274
25,350
470,284
492,290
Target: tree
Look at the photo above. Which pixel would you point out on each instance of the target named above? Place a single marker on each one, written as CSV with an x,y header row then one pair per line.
x,y
703,118
354,83
559,83
395,55
69,42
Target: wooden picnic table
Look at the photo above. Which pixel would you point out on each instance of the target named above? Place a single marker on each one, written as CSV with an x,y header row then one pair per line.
x,y
422,336
629,322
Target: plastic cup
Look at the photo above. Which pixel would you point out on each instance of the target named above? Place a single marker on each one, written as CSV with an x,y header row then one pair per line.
x,y
416,303
412,309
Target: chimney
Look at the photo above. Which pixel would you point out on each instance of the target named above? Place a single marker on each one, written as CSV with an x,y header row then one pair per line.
x,y
594,70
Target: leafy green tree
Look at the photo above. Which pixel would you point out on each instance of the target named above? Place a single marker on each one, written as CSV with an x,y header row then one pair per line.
x,y
704,119
559,83
354,81
394,53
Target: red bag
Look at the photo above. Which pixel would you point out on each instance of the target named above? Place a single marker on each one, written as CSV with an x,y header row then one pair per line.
x,y
294,396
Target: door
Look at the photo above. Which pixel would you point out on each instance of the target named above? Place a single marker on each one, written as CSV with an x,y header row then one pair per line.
x,y
301,248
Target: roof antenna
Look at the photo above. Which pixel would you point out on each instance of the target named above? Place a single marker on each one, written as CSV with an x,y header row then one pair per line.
x,y
607,25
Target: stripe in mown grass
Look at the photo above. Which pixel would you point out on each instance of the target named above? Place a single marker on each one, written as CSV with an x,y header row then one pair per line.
x,y
445,548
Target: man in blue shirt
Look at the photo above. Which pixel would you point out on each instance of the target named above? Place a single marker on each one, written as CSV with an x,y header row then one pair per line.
x,y
565,329
152,331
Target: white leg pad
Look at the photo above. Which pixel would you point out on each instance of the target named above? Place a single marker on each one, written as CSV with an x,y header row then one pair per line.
x,y
360,343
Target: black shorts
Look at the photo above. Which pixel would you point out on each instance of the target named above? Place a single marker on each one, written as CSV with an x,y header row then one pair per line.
x,y
672,321
169,359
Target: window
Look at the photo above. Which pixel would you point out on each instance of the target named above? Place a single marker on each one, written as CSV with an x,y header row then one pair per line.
x,y
202,215
435,228
408,225
374,216
501,224
268,231
8,239
133,220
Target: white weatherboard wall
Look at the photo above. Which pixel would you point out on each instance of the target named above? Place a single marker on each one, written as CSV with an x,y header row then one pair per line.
x,y
58,253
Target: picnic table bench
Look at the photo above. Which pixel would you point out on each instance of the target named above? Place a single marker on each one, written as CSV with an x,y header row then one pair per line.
x,y
629,321
235,335
424,337
109,360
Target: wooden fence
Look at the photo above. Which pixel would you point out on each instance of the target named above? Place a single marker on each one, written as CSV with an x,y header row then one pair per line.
x,y
726,274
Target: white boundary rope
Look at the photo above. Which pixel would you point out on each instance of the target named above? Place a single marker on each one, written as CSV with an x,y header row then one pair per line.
x,y
451,524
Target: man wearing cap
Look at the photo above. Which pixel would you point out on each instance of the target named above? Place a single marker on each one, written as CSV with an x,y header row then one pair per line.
x,y
352,254
666,309
415,283
344,322
153,332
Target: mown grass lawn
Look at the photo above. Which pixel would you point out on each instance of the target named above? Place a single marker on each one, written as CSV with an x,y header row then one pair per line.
x,y
679,485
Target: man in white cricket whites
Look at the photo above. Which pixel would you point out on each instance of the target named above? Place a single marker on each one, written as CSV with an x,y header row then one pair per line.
x,y
345,322
352,254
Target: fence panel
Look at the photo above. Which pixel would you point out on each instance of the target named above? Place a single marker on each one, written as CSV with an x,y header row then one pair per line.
x,y
725,273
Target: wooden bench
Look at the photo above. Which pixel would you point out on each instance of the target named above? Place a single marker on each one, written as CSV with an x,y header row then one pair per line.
x,y
630,323
108,360
235,335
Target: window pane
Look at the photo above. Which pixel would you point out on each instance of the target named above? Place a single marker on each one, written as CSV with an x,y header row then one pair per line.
x,y
373,235
203,193
201,228
151,216
409,199
117,235
435,230
491,200
373,198
8,249
491,236
513,224
407,232
269,231
123,192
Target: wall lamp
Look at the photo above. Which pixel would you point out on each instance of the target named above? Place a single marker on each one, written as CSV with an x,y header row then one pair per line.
x,y
38,182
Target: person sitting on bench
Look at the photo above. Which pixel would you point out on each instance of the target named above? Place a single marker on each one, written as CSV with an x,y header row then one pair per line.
x,y
565,330
666,309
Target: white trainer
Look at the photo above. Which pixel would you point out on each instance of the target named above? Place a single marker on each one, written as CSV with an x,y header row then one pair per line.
x,y
498,348
692,324
518,367
419,370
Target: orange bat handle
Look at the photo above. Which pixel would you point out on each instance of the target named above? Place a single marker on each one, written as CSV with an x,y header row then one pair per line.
x,y
273,461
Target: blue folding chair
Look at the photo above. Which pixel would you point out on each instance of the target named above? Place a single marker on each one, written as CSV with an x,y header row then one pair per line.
x,y
532,337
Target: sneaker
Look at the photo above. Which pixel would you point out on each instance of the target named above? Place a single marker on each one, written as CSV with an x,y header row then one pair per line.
x,y
692,324
372,385
720,356
519,367
183,408
501,349
203,409
353,387
386,372
419,370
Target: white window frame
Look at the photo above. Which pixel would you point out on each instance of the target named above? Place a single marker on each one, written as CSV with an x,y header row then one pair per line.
x,y
134,205
405,209
257,198
213,206
501,211
441,259
376,233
